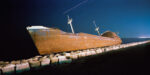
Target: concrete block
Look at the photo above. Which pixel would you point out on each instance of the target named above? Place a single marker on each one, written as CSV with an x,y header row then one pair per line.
x,y
8,69
98,51
88,53
63,59
23,66
44,61
51,55
35,58
103,49
85,52
108,49
74,56
39,56
93,52
54,60
56,55
67,55
81,54
34,64
44,56
115,47
15,62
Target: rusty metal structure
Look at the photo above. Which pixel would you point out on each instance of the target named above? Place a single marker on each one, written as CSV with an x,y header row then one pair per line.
x,y
52,40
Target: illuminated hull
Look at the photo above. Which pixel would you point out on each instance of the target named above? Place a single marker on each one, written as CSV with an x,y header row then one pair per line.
x,y
50,40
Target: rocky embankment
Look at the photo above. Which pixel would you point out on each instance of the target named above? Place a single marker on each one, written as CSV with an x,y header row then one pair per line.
x,y
19,66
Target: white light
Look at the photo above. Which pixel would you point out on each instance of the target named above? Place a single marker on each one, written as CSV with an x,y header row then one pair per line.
x,y
37,27
144,37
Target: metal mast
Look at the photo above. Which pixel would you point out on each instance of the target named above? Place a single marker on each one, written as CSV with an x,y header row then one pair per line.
x,y
70,23
96,28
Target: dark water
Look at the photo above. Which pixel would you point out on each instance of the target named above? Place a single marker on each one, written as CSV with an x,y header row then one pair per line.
x,y
129,40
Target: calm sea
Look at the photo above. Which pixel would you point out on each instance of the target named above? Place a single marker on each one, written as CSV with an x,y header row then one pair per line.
x,y
129,40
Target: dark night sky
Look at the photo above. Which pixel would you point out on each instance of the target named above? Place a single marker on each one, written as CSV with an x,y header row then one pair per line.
x,y
131,18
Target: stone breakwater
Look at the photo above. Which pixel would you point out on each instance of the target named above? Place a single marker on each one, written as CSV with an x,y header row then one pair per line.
x,y
19,66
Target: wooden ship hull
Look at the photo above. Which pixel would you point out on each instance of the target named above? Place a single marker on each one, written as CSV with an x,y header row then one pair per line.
x,y
51,40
